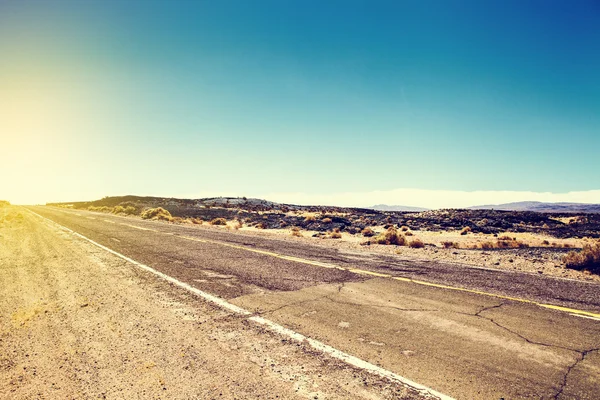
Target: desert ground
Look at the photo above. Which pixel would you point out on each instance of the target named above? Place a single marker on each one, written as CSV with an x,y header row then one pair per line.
x,y
516,241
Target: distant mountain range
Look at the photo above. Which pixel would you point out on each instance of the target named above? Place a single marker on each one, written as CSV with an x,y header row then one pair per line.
x,y
542,207
385,207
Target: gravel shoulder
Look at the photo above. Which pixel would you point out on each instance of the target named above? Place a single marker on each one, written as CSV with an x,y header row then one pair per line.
x,y
77,322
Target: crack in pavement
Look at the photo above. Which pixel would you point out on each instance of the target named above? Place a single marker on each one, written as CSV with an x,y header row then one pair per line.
x,y
580,359
581,353
376,305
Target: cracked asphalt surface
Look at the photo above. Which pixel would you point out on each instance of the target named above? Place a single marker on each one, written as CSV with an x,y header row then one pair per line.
x,y
463,344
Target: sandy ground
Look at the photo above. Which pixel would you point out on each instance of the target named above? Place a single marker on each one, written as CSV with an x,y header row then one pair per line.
x,y
77,322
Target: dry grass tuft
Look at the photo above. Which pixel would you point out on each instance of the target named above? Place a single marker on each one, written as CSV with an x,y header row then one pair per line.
x,y
218,221
368,232
310,218
296,232
465,230
158,213
450,245
416,244
587,259
326,220
391,236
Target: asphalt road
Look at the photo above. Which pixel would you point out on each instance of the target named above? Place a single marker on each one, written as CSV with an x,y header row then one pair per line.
x,y
461,343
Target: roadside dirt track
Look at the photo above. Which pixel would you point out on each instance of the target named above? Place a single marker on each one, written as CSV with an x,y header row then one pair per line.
x,y
77,322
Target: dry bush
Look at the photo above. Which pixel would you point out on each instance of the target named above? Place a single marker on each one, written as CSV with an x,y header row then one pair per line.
x,y
118,209
408,233
391,236
261,226
487,245
296,232
404,228
545,243
505,237
416,244
4,203
465,230
326,220
158,213
367,232
587,259
238,224
218,221
197,221
310,218
335,235
450,245
130,210
178,220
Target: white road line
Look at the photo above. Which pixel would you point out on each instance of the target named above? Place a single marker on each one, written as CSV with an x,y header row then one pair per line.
x,y
585,316
272,326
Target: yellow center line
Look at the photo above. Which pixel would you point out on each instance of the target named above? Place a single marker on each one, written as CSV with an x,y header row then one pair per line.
x,y
359,271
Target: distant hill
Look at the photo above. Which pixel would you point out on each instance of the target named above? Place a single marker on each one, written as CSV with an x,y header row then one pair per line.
x,y
385,207
542,207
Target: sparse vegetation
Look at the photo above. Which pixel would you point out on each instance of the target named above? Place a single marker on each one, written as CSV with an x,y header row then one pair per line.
x,y
326,220
367,232
416,244
157,213
465,230
218,221
336,234
588,259
4,203
296,232
310,218
450,245
391,237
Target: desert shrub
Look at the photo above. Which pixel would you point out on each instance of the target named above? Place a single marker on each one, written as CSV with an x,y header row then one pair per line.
x,y
326,220
505,238
261,226
335,235
197,221
545,243
178,220
158,213
310,218
391,236
118,209
238,224
130,210
296,232
408,233
487,245
218,221
416,244
465,230
404,228
4,203
450,245
586,259
367,232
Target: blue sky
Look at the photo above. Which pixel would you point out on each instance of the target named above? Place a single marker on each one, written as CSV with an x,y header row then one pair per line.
x,y
313,98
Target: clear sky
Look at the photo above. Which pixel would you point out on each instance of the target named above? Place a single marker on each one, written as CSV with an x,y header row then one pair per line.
x,y
304,101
